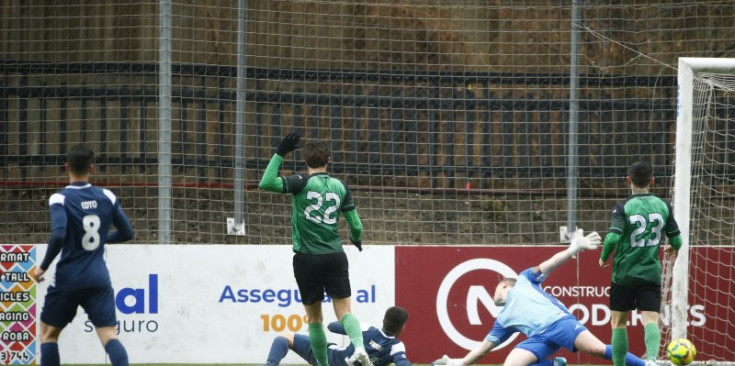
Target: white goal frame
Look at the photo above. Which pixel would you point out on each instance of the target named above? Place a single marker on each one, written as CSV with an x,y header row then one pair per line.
x,y
682,179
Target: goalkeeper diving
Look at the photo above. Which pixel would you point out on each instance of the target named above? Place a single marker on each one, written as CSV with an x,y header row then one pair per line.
x,y
547,323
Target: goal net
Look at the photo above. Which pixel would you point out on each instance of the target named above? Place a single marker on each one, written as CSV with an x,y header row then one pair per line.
x,y
702,276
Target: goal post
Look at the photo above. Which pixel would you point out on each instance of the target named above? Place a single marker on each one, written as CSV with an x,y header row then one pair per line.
x,y
703,189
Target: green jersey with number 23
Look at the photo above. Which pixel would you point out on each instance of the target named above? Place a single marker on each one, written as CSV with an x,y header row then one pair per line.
x,y
642,221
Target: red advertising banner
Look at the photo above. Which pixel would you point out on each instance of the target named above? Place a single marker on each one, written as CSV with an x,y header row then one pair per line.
x,y
448,293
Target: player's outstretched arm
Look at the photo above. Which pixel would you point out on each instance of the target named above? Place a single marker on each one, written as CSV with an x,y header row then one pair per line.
x,y
355,225
579,243
472,357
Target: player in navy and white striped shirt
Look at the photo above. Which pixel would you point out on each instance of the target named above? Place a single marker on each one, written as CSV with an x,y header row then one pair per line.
x,y
382,345
81,217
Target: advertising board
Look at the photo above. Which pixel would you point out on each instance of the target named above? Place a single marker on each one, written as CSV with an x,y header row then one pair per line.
x,y
215,303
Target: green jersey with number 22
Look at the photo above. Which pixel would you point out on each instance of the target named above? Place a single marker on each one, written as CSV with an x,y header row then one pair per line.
x,y
317,202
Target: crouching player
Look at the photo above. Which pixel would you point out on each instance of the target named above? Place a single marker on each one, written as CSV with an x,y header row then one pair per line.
x,y
547,323
382,345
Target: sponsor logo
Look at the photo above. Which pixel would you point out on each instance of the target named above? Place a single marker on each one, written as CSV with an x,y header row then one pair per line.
x,y
133,300
136,304
284,297
476,295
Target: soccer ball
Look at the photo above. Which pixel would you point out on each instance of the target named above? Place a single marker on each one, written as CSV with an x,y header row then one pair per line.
x,y
681,351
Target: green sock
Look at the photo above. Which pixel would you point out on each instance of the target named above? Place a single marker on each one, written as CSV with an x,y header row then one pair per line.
x,y
653,340
619,346
353,329
318,340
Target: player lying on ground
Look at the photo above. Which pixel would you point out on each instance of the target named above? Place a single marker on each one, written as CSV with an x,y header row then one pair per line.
x,y
382,345
547,323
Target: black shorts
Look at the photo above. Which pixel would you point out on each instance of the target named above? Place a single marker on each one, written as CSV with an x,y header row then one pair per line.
x,y
60,306
316,273
645,297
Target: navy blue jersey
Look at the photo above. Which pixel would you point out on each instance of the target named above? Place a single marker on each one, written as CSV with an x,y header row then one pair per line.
x,y
81,216
382,348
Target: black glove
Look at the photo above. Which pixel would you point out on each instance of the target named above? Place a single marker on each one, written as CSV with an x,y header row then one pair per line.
x,y
357,243
288,144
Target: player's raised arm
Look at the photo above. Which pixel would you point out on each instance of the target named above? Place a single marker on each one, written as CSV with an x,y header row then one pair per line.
x,y
270,181
579,243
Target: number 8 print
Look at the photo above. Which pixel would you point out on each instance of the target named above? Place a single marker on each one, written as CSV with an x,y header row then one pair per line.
x,y
91,238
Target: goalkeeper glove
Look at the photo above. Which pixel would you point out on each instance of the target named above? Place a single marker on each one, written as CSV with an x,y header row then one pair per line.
x,y
581,242
446,361
289,143
357,243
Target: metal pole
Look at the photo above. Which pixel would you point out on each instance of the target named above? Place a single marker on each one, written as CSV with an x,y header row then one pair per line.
x,y
573,117
242,18
164,121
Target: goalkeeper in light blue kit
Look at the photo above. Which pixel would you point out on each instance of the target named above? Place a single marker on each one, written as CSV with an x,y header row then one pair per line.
x,y
547,323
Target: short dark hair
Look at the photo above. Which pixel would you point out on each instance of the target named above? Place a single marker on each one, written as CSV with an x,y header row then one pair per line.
x,y
394,319
316,153
640,173
80,158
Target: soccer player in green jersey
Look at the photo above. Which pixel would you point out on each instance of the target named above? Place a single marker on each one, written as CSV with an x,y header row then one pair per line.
x,y
636,232
319,262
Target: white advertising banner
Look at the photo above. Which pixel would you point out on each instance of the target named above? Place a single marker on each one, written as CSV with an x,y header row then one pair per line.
x,y
216,303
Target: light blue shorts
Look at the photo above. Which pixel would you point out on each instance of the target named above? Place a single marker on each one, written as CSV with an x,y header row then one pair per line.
x,y
561,333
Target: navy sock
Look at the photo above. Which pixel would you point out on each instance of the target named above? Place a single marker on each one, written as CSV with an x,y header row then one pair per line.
x,y
50,354
278,351
117,353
